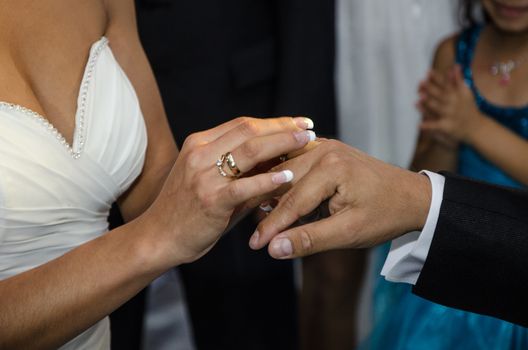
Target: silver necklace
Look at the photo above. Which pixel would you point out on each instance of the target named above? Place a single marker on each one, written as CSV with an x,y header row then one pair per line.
x,y
504,69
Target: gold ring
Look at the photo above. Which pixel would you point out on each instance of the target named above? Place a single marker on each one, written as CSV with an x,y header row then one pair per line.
x,y
227,159
232,165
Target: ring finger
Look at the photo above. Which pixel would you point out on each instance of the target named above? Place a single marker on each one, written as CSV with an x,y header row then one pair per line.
x,y
260,149
251,128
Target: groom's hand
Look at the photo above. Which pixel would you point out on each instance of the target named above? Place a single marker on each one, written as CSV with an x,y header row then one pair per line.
x,y
369,201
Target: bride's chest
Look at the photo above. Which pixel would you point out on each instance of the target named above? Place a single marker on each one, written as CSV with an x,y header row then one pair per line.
x,y
43,49
39,167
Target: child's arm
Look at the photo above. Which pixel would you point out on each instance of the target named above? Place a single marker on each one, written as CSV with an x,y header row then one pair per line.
x,y
436,151
502,147
461,119
434,155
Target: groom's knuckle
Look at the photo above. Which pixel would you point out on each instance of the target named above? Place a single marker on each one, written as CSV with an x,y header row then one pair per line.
x,y
289,204
263,226
334,144
331,159
307,242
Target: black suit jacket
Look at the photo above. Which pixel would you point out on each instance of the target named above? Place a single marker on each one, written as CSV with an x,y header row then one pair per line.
x,y
478,260
215,60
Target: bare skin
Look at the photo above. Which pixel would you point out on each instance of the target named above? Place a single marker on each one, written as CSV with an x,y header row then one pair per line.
x,y
369,203
176,210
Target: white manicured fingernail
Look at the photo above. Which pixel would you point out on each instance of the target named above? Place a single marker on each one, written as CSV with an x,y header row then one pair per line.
x,y
266,207
281,248
283,177
305,123
309,122
253,242
288,174
305,136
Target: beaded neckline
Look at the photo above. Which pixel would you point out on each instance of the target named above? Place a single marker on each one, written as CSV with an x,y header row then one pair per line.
x,y
77,146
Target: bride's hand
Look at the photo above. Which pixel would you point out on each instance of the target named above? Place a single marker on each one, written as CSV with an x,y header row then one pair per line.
x,y
268,200
197,202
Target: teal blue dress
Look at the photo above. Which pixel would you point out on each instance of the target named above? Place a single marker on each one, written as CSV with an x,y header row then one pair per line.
x,y
403,321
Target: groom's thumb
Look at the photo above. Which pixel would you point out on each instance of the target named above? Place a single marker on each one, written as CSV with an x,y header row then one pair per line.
x,y
326,234
293,244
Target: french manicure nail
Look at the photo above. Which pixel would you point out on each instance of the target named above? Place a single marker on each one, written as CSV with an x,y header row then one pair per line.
x,y
253,242
303,122
283,177
266,207
282,248
309,122
305,136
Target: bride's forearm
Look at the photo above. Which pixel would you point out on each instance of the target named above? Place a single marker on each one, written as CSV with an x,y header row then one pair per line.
x,y
47,306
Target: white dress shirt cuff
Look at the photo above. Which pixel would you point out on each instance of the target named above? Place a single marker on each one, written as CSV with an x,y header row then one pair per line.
x,y
408,253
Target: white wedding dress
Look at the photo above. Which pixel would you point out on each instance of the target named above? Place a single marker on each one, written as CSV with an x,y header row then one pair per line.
x,y
54,197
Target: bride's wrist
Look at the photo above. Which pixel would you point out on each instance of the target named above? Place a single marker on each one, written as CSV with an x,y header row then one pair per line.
x,y
154,247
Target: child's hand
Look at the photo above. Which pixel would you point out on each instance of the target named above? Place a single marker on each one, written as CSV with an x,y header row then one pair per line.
x,y
448,106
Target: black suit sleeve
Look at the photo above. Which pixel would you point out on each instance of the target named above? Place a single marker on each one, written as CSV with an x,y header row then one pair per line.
x,y
478,260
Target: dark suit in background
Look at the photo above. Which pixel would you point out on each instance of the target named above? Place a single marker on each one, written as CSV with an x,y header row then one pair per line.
x,y
215,60
478,259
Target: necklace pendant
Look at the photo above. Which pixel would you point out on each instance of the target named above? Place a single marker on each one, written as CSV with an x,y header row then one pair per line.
x,y
504,70
505,79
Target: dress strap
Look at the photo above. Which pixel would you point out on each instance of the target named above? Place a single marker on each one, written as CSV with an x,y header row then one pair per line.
x,y
465,50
